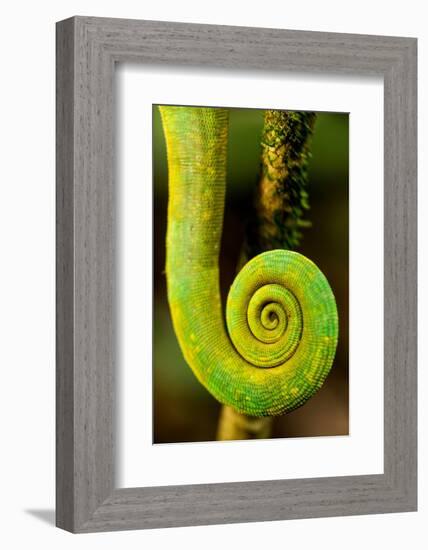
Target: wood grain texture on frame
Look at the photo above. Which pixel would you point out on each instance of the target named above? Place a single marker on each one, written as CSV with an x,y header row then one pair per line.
x,y
87,50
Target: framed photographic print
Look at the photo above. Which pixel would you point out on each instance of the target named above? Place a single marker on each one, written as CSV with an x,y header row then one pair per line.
x,y
236,274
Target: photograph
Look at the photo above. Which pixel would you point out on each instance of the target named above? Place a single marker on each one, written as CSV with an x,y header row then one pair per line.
x,y
250,273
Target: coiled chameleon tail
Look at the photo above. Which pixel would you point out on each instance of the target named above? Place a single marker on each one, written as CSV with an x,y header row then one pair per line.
x,y
282,325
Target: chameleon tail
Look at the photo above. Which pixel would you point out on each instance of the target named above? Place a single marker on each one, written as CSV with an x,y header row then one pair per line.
x,y
282,324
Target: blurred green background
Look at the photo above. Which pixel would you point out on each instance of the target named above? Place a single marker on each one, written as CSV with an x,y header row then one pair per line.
x,y
183,409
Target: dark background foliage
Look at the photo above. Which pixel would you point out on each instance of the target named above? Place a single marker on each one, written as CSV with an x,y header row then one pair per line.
x,y
183,409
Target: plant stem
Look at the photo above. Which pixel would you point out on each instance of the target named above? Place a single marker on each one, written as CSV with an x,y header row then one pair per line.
x,y
234,425
280,205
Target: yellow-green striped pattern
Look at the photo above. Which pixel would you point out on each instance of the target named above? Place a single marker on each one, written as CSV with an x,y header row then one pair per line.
x,y
282,325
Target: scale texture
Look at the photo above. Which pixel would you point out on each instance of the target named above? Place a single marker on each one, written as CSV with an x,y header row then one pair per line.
x,y
279,340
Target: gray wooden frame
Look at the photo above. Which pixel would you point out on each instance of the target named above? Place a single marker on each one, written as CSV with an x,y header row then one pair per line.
x,y
87,50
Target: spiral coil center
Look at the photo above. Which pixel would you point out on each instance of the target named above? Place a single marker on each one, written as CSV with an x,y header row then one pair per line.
x,y
264,319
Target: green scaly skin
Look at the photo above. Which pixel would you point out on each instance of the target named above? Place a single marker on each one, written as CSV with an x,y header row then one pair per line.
x,y
282,325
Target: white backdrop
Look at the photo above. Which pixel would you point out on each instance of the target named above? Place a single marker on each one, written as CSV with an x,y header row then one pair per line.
x,y
27,274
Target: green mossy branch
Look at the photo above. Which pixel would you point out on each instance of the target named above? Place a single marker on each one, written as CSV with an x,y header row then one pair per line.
x,y
281,200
